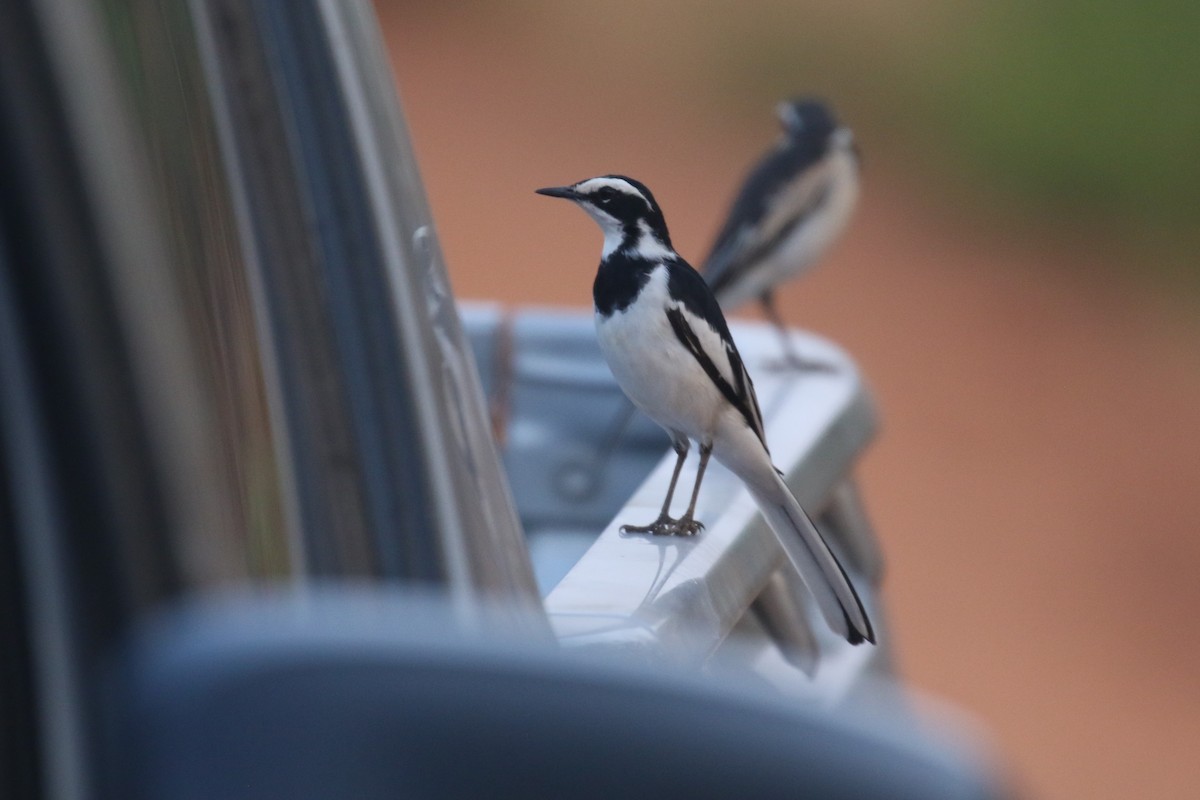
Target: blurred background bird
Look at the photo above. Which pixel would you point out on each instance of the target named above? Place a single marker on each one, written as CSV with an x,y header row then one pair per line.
x,y
791,208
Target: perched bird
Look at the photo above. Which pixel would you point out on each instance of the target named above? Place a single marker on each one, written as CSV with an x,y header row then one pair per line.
x,y
666,341
791,208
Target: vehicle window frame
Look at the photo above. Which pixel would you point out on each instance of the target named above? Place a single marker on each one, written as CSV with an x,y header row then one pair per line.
x,y
329,55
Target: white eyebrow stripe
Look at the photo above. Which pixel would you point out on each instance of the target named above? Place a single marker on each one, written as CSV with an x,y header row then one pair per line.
x,y
595,184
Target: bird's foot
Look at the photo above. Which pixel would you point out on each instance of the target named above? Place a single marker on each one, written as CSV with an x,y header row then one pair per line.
x,y
663,526
686,526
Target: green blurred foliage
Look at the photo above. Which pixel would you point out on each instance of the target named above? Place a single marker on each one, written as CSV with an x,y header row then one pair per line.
x,y
1080,105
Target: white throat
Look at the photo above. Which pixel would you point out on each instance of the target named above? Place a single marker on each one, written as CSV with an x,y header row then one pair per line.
x,y
647,245
613,238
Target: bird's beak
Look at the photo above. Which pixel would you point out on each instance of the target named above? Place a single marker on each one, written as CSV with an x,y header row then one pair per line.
x,y
560,191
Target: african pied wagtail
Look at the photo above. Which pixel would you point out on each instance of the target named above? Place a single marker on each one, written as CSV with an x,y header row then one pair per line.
x,y
791,208
668,346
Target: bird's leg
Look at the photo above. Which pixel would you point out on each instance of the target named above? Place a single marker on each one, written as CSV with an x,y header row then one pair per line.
x,y
791,359
664,525
688,525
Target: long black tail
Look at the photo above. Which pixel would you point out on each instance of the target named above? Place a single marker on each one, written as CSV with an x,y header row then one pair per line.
x,y
819,568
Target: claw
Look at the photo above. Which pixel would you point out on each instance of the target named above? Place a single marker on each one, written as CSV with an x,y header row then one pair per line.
x,y
663,526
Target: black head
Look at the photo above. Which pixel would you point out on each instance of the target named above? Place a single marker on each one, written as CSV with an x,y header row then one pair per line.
x,y
806,116
624,208
812,124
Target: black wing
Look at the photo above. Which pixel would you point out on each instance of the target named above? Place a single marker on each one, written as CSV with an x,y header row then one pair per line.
x,y
780,192
696,300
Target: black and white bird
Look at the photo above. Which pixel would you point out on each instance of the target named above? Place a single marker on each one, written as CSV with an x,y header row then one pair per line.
x,y
792,206
666,341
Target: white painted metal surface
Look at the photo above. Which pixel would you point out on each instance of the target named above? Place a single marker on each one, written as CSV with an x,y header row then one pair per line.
x,y
678,598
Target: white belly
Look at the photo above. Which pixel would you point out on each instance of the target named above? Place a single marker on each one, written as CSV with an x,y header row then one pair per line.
x,y
654,369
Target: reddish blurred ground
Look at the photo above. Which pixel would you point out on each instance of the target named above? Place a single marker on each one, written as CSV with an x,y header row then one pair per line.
x,y
1035,486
